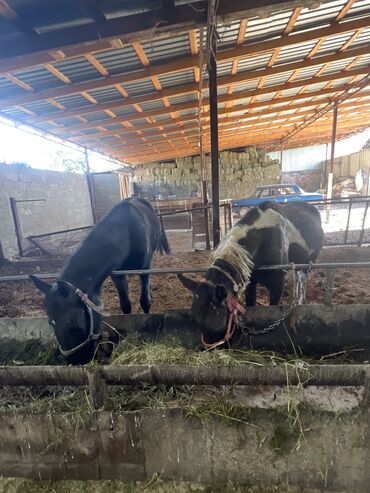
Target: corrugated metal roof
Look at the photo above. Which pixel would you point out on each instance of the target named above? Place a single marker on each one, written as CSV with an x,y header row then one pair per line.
x,y
167,49
77,70
176,79
125,60
38,78
119,61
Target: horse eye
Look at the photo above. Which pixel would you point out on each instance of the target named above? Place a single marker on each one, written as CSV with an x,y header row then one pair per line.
x,y
52,323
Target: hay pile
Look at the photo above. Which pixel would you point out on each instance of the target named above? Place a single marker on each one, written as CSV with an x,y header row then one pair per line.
x,y
157,486
197,401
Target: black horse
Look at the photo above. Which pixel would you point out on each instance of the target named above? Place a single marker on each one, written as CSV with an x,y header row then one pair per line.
x,y
125,239
267,235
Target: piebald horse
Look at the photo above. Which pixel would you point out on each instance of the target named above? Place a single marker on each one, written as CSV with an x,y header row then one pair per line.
x,y
270,234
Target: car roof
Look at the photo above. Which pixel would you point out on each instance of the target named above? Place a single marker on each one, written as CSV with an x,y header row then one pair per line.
x,y
280,185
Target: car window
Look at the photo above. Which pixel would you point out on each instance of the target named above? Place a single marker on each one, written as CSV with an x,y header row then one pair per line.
x,y
285,191
267,192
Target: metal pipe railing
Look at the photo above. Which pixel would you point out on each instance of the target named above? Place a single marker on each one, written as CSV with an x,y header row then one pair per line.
x,y
202,270
328,375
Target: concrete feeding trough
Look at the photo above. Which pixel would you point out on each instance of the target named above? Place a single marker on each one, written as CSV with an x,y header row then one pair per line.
x,y
313,329
294,425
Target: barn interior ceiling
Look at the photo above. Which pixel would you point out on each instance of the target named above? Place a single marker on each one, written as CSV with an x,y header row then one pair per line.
x,y
122,77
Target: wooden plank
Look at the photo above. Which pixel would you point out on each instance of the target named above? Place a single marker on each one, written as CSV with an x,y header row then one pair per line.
x,y
242,95
192,124
191,62
239,120
345,10
269,124
184,89
185,106
141,26
58,74
96,64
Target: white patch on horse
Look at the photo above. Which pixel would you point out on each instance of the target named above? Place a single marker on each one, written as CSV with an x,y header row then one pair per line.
x,y
238,257
270,218
235,254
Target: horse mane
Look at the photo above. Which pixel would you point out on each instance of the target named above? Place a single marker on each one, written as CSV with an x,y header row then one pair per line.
x,y
232,252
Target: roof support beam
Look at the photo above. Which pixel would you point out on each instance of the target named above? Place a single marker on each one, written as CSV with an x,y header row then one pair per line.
x,y
227,80
138,27
193,61
186,106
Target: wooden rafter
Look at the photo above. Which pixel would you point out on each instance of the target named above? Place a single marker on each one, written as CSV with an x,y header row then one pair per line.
x,y
177,134
191,62
239,42
186,106
138,27
239,128
238,95
227,80
275,54
245,131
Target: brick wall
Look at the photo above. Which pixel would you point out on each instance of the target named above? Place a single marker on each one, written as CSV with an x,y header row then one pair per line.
x,y
66,205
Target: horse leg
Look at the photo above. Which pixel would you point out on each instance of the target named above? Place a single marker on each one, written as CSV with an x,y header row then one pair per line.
x,y
121,285
145,298
275,287
251,294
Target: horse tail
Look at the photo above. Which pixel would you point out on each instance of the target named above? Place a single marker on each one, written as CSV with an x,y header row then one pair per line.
x,y
163,244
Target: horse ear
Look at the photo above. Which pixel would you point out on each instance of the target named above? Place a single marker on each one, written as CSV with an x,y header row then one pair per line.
x,y
220,294
64,290
43,286
188,283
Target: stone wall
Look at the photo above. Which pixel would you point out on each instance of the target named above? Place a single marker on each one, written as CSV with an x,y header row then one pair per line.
x,y
106,192
65,203
240,173
310,180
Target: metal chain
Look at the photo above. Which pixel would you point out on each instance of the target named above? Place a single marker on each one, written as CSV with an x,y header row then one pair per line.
x,y
249,331
323,285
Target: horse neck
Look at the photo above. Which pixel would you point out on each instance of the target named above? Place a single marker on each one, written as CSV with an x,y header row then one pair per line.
x,y
84,273
234,257
221,273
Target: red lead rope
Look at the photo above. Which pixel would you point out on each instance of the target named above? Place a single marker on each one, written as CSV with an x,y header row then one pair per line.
x,y
234,308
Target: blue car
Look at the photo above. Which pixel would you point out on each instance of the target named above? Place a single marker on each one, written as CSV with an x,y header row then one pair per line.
x,y
274,193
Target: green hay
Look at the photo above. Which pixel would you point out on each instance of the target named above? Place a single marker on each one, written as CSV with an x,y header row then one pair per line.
x,y
30,352
134,350
11,485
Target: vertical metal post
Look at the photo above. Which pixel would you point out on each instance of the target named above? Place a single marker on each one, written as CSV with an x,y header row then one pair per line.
x,y
348,220
17,225
329,286
362,232
281,158
90,186
201,148
212,77
329,192
230,214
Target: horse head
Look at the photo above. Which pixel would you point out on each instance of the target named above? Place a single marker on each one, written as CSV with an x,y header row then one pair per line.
x,y
72,320
209,307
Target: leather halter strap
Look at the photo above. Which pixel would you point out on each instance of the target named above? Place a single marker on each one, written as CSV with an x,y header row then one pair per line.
x,y
233,306
90,306
227,275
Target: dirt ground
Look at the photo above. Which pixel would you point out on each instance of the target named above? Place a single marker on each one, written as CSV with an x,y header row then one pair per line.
x,y
20,298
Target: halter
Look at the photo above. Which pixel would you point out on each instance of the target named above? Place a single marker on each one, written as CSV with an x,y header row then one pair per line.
x,y
90,306
234,308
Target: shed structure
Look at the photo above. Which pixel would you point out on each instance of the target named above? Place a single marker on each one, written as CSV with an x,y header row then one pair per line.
x,y
122,77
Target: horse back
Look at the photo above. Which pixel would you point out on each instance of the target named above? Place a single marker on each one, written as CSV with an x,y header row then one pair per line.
x,y
305,218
